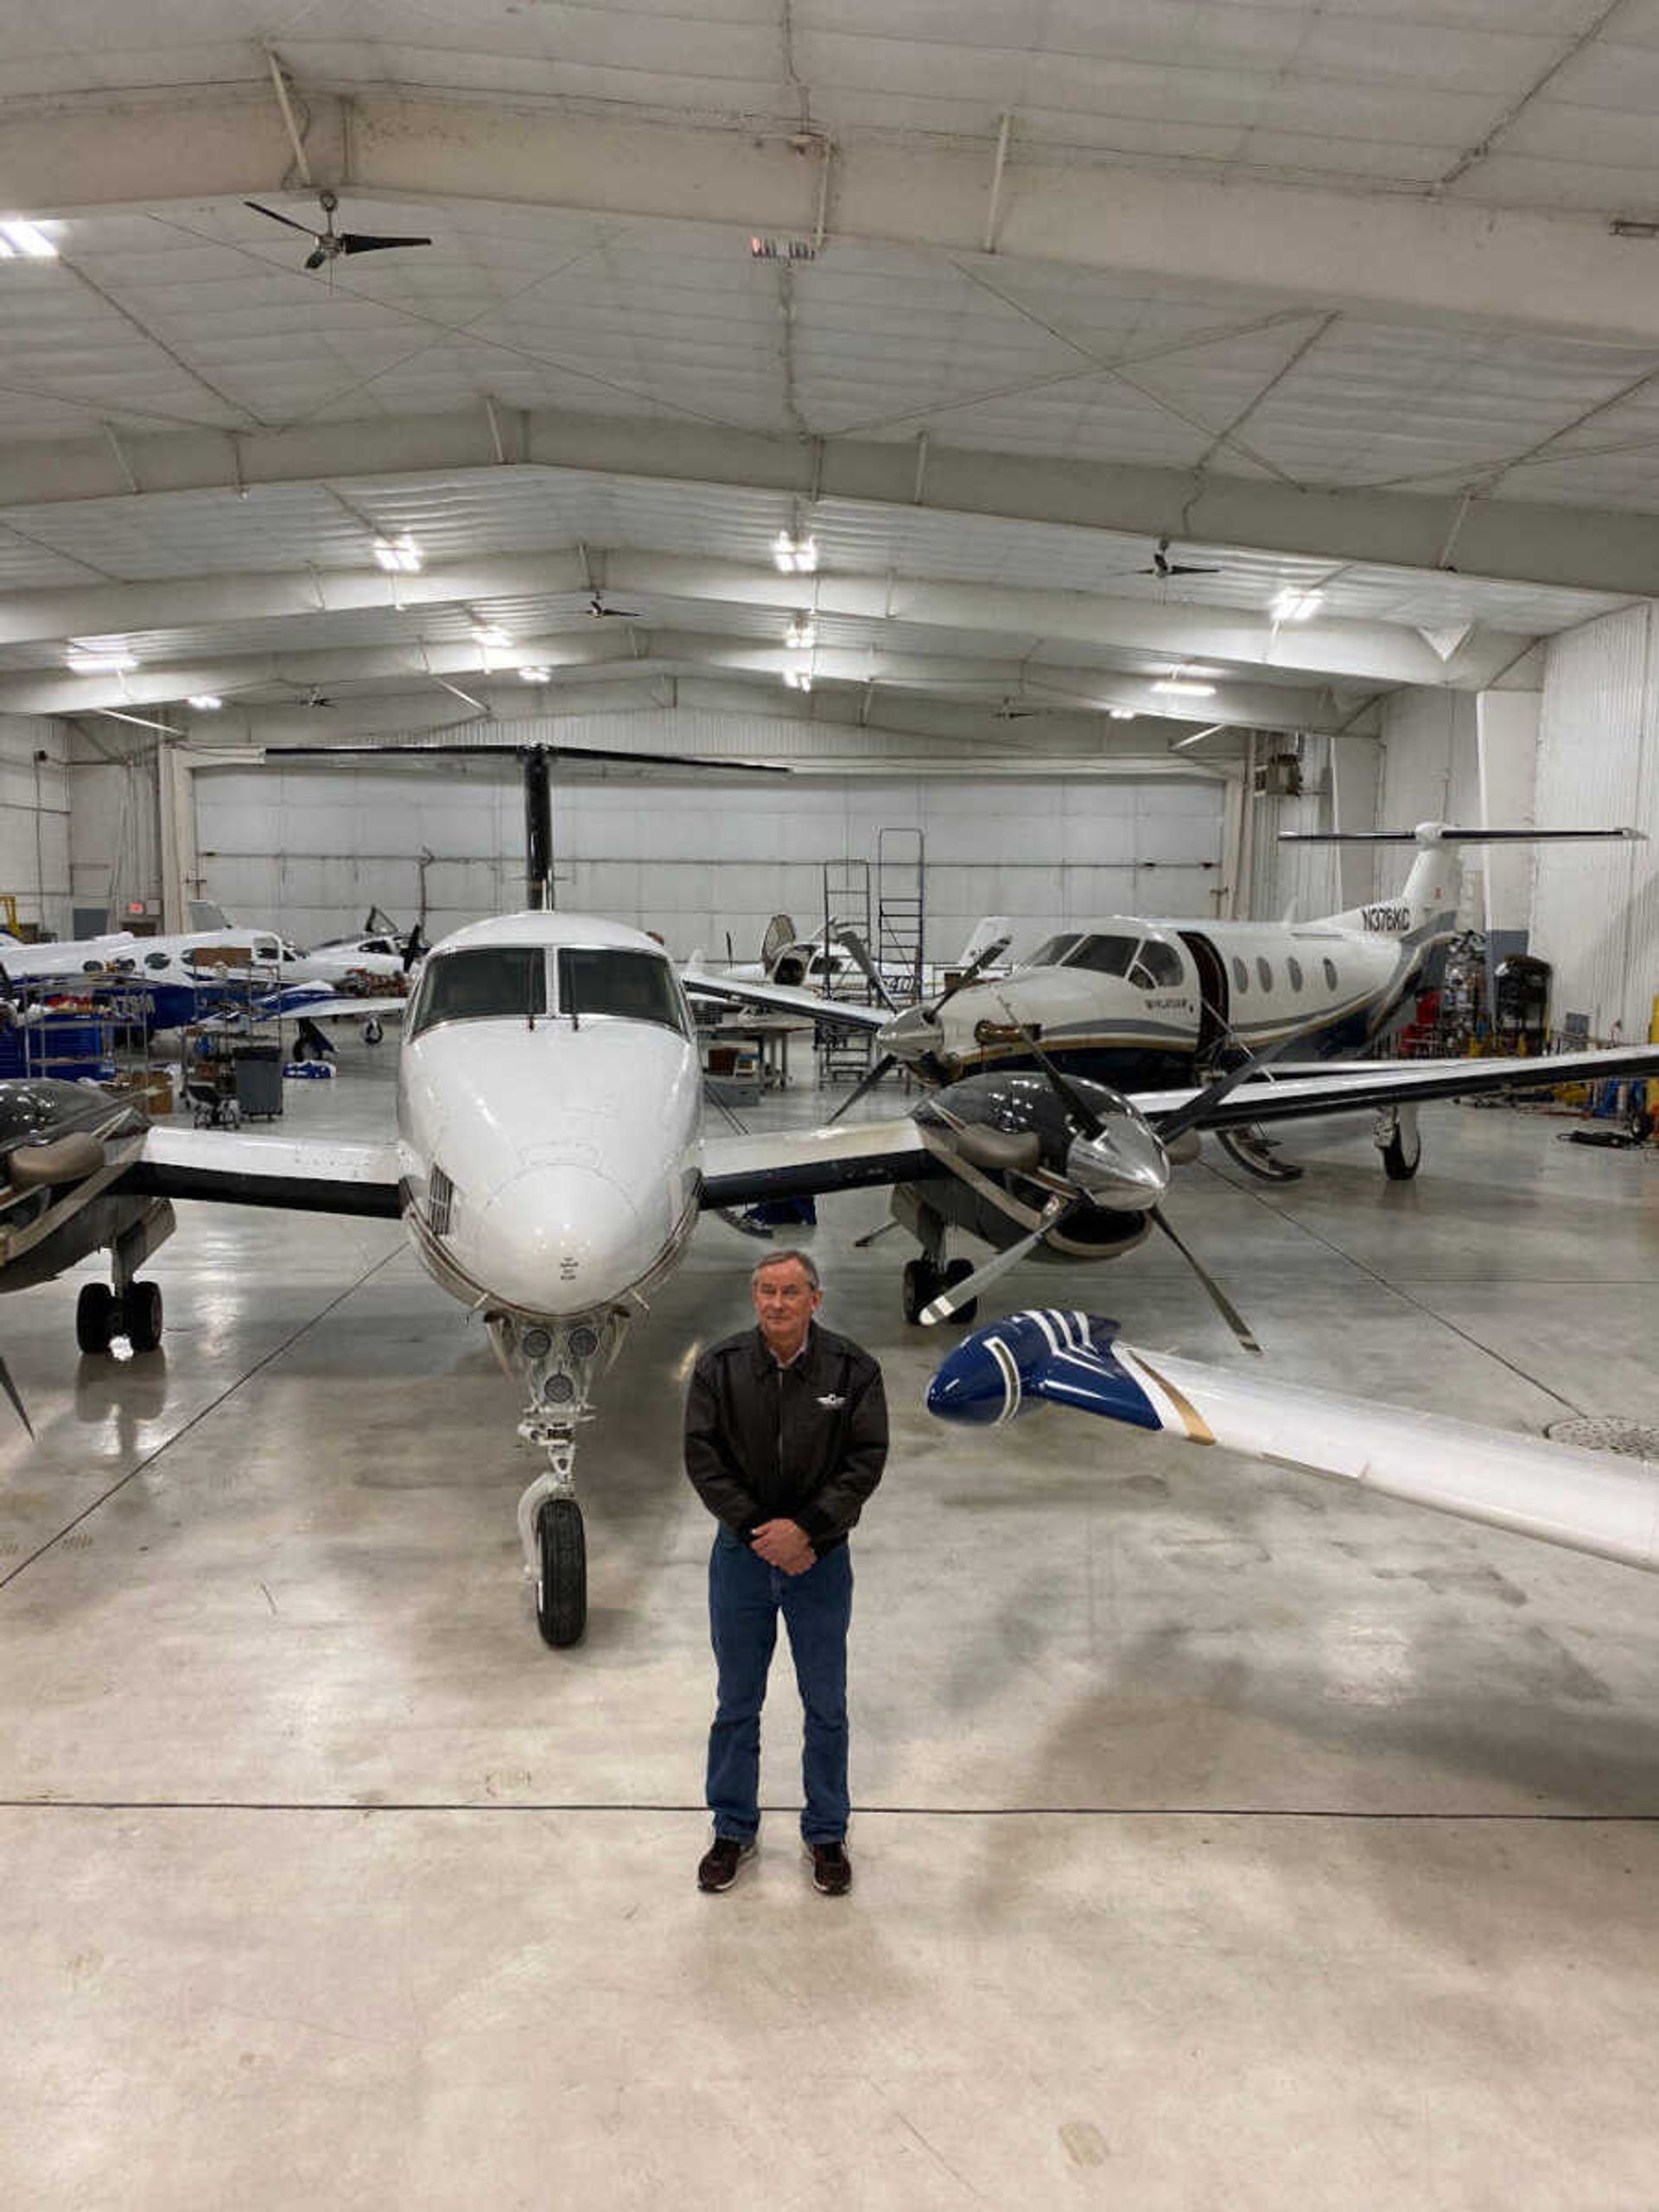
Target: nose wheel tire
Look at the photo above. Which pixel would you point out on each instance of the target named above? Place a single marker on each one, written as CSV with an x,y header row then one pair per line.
x,y
101,1316
562,1581
1403,1153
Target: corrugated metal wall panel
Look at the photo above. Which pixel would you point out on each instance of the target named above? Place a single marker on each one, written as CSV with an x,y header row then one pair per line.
x,y
1596,914
34,818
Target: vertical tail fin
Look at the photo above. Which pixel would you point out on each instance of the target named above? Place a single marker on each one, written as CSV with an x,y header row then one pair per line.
x,y
1428,900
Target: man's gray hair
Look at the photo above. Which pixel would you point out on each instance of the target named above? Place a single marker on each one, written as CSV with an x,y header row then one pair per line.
x,y
780,1259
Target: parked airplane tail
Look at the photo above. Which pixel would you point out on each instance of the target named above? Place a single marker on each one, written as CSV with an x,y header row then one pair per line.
x,y
1426,902
992,929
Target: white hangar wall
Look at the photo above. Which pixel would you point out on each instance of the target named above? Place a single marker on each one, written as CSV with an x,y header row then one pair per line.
x,y
311,847
35,819
1596,908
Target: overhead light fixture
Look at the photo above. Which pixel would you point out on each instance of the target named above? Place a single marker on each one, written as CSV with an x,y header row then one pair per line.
x,y
1182,687
1195,736
795,555
534,672
399,557
1122,713
1297,605
87,660
799,679
20,238
491,633
801,635
205,702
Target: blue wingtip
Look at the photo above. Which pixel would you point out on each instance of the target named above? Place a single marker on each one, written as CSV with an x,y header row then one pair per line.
x,y
1002,1370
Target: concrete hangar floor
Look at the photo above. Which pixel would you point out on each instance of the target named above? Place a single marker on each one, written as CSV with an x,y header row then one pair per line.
x,y
1224,1837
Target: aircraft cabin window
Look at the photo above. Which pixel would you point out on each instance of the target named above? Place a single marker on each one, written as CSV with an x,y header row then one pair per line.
x,y
1162,962
1050,954
1241,974
267,951
1294,970
155,960
497,982
632,986
1263,973
1104,955
1331,975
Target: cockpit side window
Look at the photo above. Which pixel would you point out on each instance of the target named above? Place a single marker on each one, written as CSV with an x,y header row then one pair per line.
x,y
1162,962
1054,950
612,980
495,983
1106,955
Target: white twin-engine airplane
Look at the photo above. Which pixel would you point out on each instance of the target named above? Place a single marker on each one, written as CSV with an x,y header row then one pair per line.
x,y
549,1166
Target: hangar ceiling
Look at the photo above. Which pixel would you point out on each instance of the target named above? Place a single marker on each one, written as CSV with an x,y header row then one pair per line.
x,y
1346,300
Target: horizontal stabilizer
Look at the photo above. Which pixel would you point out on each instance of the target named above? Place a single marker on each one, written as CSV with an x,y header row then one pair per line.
x,y
1587,1501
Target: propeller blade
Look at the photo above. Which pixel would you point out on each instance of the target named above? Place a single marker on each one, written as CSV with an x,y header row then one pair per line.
x,y
861,953
969,975
366,242
865,1081
1223,1304
960,1293
276,218
11,1391
1186,1117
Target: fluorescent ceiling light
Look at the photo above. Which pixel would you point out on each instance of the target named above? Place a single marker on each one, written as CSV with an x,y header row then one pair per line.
x,y
801,636
795,555
19,238
205,702
491,633
80,660
799,679
1297,605
1181,687
1122,713
398,556
535,673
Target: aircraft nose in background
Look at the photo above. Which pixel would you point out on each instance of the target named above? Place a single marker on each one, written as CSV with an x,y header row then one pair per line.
x,y
560,1239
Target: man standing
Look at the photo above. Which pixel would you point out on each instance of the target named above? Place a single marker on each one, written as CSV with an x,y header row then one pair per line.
x,y
785,1437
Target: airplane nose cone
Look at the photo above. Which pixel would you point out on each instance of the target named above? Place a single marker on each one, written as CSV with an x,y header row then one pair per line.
x,y
559,1240
1125,1168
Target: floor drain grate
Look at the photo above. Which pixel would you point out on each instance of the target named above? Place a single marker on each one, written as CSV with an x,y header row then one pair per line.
x,y
1636,1440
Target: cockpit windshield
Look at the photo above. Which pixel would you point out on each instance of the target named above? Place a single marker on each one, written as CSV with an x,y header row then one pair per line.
x,y
1105,956
607,979
494,982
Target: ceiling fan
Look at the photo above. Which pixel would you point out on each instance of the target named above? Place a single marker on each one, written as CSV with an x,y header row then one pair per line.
x,y
597,607
1163,568
331,243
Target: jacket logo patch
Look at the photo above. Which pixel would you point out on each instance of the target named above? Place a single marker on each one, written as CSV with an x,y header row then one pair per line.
x,y
832,1403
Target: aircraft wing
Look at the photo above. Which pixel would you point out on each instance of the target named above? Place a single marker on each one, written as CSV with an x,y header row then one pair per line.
x,y
1355,1086
1588,1501
335,1005
800,1163
315,1175
779,998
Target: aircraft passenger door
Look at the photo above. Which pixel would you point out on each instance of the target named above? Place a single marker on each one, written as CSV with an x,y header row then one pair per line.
x,y
1215,1006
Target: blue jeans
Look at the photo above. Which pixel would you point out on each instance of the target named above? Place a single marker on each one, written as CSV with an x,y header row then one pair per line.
x,y
745,1599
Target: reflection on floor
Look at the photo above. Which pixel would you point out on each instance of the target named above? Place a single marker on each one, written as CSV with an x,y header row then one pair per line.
x,y
1224,1836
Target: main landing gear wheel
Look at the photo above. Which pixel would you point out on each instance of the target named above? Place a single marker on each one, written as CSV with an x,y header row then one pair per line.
x,y
141,1313
562,1581
102,1314
96,1317
922,1283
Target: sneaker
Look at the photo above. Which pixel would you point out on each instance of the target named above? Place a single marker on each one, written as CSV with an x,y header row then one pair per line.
x,y
832,1870
717,1868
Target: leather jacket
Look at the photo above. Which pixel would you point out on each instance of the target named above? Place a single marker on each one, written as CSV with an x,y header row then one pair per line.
x,y
804,1443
